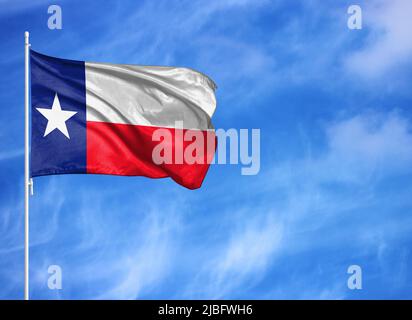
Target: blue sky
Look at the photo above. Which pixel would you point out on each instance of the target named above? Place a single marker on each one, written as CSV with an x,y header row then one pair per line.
x,y
333,106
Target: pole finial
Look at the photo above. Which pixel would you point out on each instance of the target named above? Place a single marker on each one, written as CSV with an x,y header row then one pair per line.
x,y
26,37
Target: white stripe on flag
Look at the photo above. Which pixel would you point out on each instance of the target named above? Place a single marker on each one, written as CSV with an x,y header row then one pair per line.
x,y
150,96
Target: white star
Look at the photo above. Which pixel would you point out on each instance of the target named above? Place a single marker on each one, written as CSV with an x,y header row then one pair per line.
x,y
56,117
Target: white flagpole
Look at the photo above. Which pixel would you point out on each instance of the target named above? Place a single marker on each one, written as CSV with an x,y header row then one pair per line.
x,y
27,180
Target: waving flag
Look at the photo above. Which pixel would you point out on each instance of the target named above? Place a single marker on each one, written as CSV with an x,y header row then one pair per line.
x,y
105,118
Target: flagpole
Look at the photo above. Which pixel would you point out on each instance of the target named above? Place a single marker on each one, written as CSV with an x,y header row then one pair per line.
x,y
27,180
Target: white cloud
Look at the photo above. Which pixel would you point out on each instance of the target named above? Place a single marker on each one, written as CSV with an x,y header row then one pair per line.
x,y
191,34
390,42
241,258
130,261
358,150
249,249
326,195
140,267
17,6
368,141
111,250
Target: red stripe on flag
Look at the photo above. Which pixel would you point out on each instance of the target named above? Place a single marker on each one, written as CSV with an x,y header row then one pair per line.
x,y
124,149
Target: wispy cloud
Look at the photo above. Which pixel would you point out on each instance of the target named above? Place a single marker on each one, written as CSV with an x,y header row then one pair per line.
x,y
289,232
100,252
7,155
389,45
239,259
336,193
18,6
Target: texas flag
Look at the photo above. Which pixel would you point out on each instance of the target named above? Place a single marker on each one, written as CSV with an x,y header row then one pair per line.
x,y
103,118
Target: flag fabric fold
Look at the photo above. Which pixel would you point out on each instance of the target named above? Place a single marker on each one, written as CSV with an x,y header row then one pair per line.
x,y
101,118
